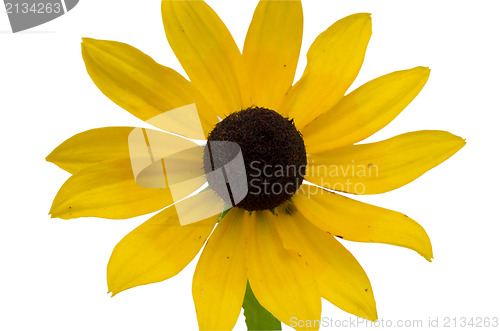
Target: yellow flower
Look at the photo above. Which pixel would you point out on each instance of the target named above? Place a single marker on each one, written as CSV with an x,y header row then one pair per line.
x,y
286,247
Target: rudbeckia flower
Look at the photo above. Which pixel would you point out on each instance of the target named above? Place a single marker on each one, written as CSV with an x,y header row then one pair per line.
x,y
276,249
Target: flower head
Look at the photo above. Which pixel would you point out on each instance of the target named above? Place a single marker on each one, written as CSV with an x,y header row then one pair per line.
x,y
279,236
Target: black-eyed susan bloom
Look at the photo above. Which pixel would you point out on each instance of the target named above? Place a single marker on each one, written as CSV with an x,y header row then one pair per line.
x,y
276,248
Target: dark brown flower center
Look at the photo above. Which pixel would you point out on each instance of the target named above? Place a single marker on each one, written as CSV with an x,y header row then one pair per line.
x,y
273,161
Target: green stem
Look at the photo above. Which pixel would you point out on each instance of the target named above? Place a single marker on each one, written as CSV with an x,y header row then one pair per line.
x,y
257,317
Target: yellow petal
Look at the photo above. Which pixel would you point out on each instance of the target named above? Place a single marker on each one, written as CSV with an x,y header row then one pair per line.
x,y
208,54
280,280
159,248
333,62
382,166
108,190
365,111
340,278
358,221
138,84
157,158
92,146
220,279
272,49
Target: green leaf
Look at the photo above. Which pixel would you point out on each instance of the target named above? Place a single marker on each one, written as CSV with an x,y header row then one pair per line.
x,y
256,316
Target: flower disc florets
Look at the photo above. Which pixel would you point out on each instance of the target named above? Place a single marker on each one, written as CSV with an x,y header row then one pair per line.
x,y
273,153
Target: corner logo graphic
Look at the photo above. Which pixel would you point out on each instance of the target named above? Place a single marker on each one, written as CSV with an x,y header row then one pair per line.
x,y
25,14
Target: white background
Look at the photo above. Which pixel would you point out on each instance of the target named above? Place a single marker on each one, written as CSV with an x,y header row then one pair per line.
x,y
53,272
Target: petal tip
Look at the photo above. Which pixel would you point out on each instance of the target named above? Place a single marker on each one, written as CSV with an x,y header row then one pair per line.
x,y
88,41
427,253
424,69
367,16
459,141
64,213
364,18
373,317
111,290
429,256
112,294
51,211
421,72
361,18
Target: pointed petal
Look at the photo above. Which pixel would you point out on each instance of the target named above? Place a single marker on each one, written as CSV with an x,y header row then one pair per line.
x,y
358,221
365,111
159,248
108,190
272,49
220,279
340,278
125,172
382,166
208,54
280,279
135,82
90,147
333,62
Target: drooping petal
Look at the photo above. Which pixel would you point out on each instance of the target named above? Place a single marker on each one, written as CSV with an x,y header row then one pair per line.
x,y
220,279
272,49
365,111
280,279
333,62
92,146
135,82
340,278
159,248
208,54
358,221
382,166
108,190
